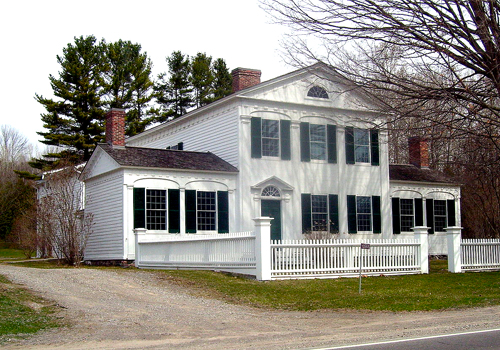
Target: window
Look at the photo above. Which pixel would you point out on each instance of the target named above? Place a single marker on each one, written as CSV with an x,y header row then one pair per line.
x,y
270,191
270,138
156,210
318,142
407,216
320,213
206,211
362,146
440,214
363,214
318,92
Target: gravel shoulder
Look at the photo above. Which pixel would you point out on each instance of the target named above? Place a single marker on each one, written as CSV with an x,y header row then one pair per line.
x,y
134,309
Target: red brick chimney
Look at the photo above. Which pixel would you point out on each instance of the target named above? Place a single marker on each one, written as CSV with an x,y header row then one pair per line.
x,y
244,78
419,151
115,127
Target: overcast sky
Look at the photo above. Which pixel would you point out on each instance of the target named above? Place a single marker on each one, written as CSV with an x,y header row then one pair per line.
x,y
34,32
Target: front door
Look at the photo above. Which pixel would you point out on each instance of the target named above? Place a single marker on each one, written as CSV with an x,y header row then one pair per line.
x,y
272,208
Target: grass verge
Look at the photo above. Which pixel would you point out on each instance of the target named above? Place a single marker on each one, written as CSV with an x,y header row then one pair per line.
x,y
22,313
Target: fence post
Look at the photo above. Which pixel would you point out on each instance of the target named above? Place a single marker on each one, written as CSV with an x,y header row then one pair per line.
x,y
453,238
421,234
138,233
263,248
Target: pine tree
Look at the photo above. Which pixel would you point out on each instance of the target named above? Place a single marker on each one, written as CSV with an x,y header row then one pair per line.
x,y
174,93
202,79
223,81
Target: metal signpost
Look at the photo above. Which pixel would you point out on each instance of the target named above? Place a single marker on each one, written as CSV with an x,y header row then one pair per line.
x,y
363,246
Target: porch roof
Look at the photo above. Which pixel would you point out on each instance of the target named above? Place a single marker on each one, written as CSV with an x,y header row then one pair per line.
x,y
408,172
167,159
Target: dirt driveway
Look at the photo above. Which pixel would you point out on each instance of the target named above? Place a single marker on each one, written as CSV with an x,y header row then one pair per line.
x,y
133,309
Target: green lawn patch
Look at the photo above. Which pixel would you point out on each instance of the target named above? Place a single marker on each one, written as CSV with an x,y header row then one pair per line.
x,y
10,254
22,313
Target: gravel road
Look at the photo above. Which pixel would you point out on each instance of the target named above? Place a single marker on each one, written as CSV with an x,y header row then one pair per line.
x,y
134,309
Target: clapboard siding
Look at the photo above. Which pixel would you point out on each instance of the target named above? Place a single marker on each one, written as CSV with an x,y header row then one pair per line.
x,y
216,133
105,202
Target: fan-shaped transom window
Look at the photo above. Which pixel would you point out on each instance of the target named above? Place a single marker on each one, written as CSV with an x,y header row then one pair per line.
x,y
318,92
270,191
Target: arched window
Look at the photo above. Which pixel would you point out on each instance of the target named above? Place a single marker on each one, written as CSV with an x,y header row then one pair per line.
x,y
270,191
318,92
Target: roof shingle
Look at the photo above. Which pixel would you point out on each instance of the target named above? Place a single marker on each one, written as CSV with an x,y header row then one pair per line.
x,y
400,172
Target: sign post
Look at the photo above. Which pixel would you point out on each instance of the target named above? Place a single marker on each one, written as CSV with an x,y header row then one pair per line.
x,y
363,247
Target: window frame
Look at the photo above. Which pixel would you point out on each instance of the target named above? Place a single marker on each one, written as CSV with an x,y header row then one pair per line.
x,y
406,215
156,193
365,146
211,214
331,224
323,143
276,139
318,92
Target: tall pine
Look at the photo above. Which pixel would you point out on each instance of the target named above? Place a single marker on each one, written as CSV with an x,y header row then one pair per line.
x,y
223,80
201,79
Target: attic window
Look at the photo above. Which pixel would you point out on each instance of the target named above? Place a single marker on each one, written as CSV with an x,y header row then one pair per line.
x,y
318,92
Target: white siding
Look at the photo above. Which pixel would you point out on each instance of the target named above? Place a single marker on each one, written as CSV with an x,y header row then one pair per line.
x,y
211,132
104,196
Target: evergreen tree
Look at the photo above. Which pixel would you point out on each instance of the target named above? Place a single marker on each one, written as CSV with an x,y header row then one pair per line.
x,y
174,92
75,119
223,80
202,79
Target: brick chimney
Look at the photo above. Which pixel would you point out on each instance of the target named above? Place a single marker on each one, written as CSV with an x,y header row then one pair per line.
x,y
244,78
419,151
115,127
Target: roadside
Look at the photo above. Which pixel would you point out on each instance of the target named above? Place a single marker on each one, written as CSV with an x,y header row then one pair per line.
x,y
134,309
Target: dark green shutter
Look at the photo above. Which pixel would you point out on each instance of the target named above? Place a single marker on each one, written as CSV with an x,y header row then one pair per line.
x,y
305,145
333,208
450,207
377,218
256,137
331,132
174,211
375,152
352,224
396,218
306,212
223,211
419,212
429,210
191,211
349,145
139,208
285,139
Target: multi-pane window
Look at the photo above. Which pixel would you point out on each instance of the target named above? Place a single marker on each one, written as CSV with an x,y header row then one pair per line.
x,y
156,209
364,213
318,92
407,215
439,215
318,141
206,211
361,146
319,211
270,138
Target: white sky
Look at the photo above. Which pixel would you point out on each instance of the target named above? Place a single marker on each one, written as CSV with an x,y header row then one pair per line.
x,y
34,32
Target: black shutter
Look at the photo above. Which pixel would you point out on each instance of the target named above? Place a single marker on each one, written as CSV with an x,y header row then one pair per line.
x,y
305,145
450,207
139,208
377,218
429,210
180,146
285,139
332,143
349,145
352,224
374,147
396,218
333,205
174,211
256,137
419,212
306,212
191,211
223,211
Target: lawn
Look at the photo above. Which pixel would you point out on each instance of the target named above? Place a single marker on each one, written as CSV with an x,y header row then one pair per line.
x,y
10,254
23,313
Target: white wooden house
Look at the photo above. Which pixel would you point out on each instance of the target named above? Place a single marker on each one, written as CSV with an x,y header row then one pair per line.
x,y
303,148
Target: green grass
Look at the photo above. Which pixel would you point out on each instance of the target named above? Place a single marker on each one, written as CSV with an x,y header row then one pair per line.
x,y
10,253
23,313
436,291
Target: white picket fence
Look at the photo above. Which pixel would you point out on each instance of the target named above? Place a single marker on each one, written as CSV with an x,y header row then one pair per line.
x,y
480,254
343,257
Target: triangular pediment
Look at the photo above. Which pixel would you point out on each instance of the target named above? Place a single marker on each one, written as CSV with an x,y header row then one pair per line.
x,y
273,181
99,163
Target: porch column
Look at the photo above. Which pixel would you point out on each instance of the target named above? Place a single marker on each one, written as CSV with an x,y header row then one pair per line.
x,y
421,234
263,248
139,234
453,237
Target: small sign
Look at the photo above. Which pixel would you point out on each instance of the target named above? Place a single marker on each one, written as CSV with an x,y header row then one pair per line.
x,y
365,246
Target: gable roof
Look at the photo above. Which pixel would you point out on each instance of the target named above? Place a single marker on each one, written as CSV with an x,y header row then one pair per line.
x,y
408,172
167,159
